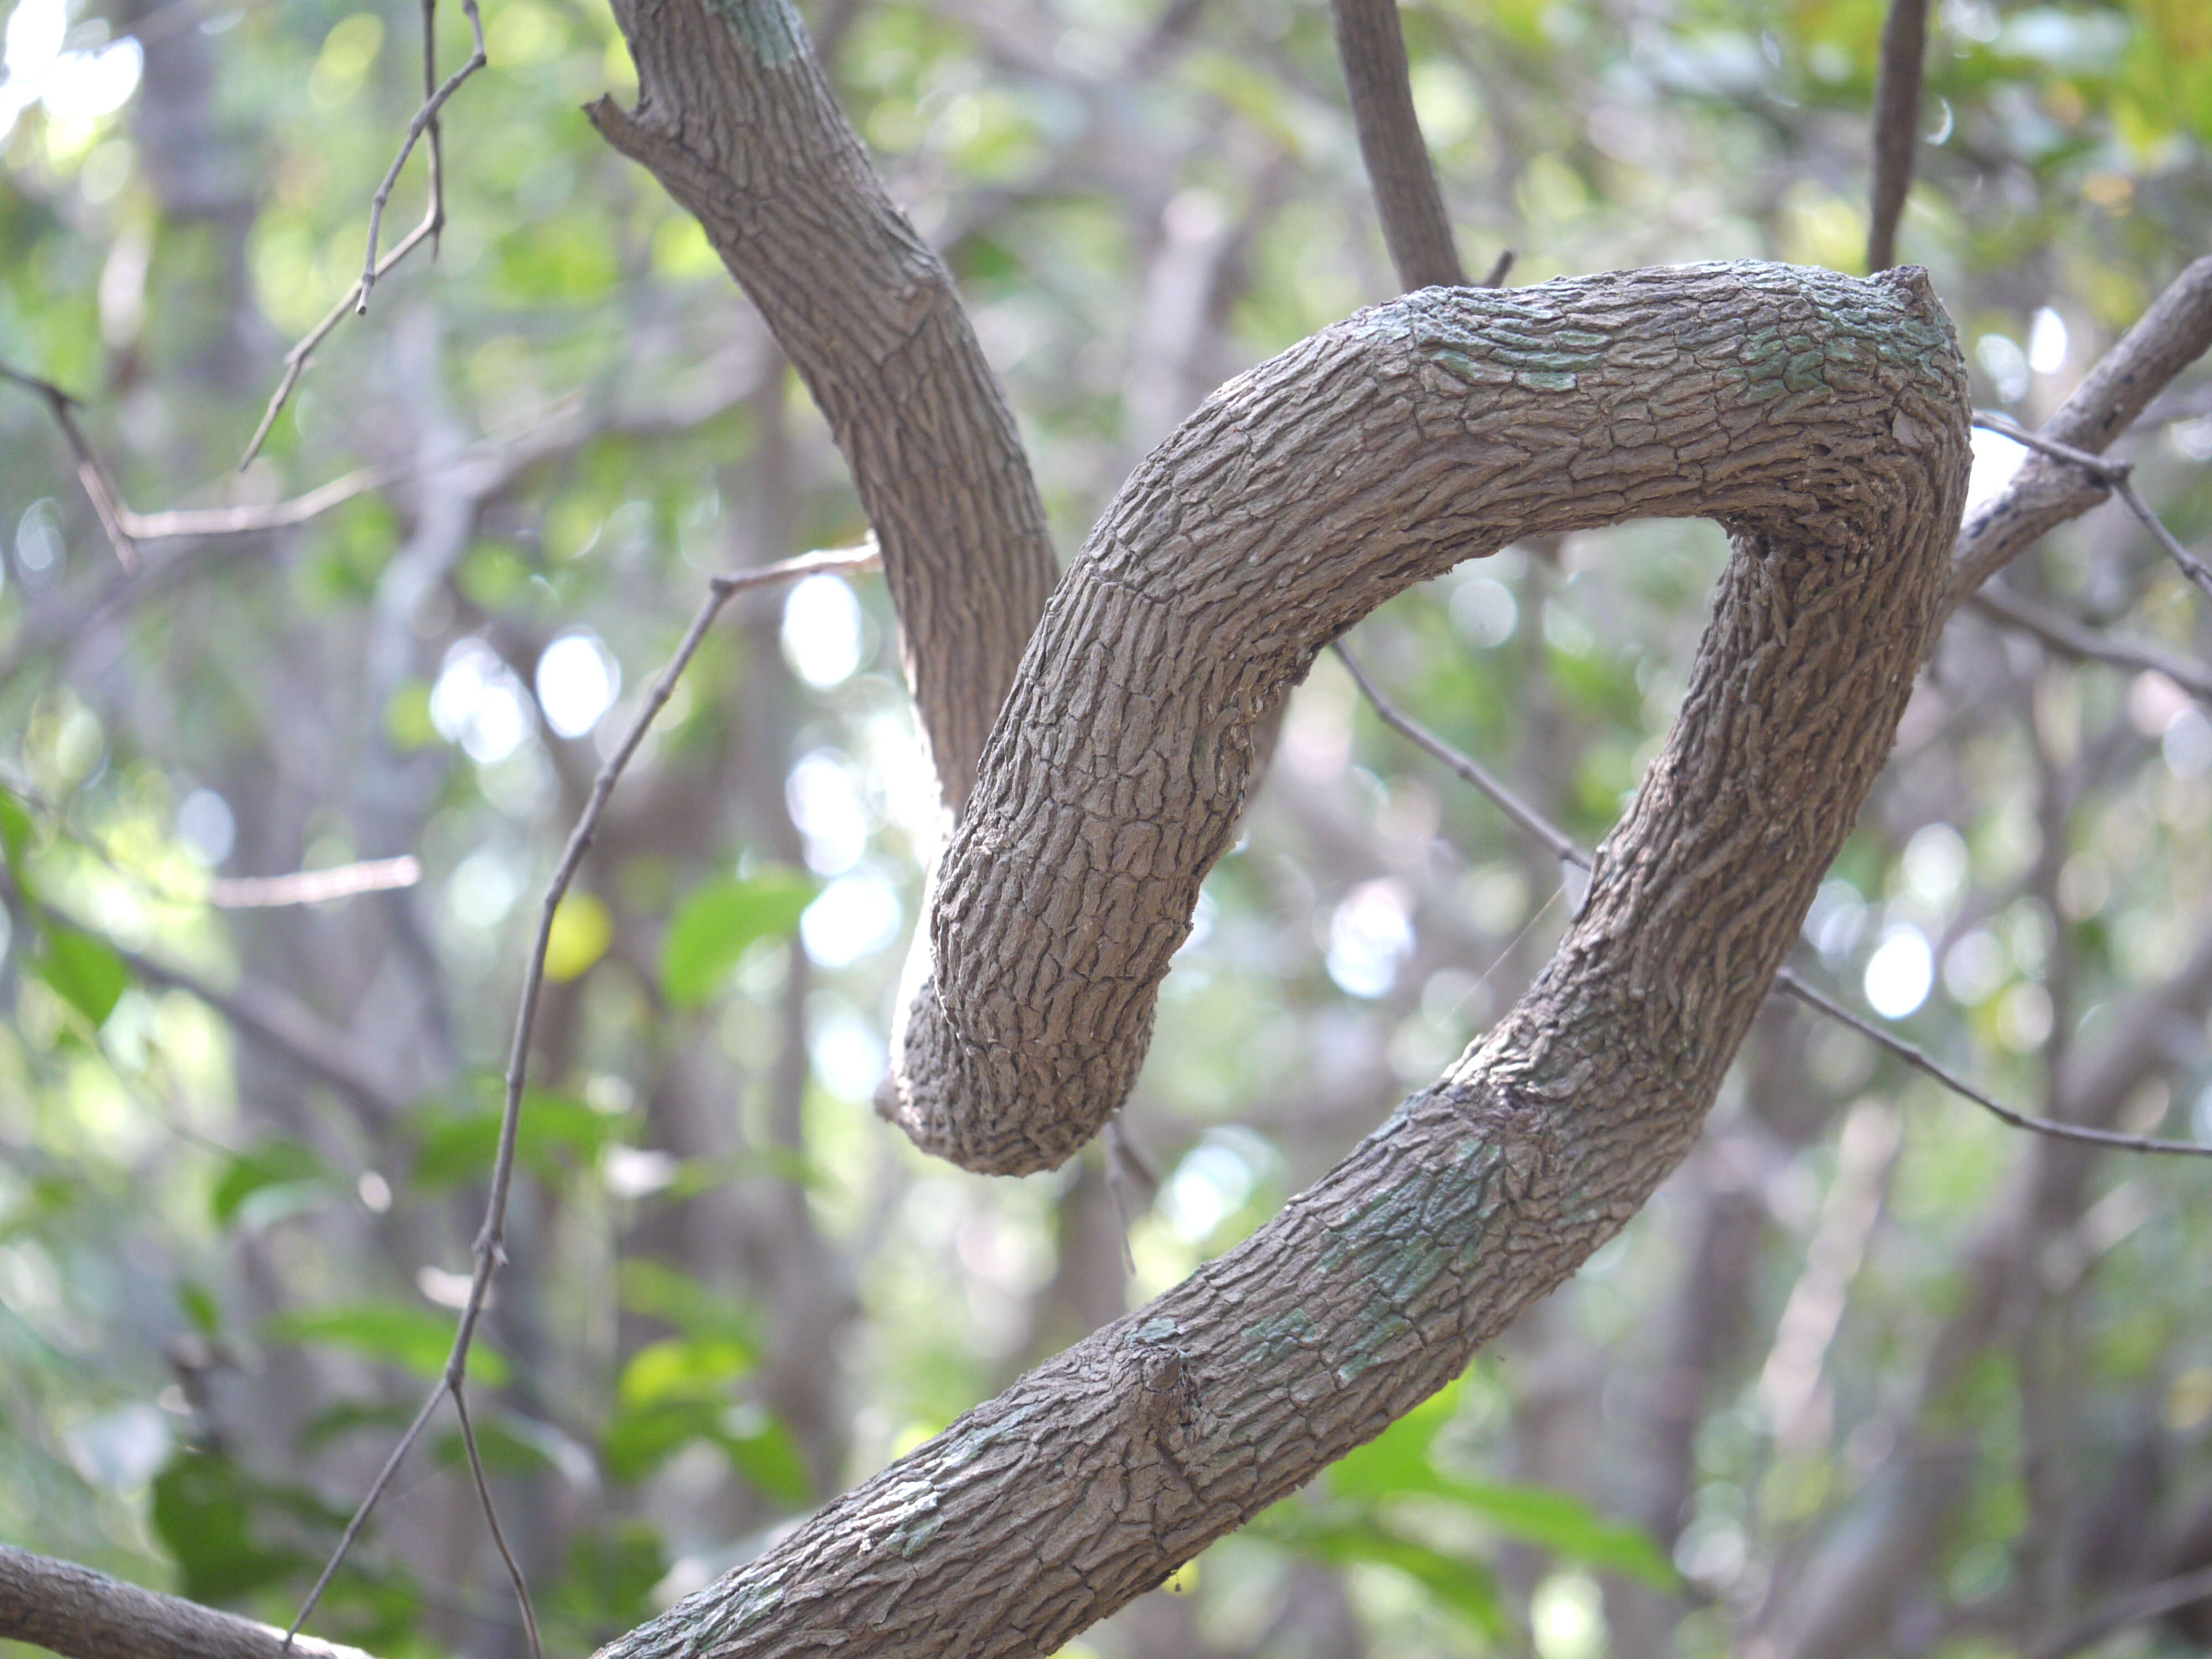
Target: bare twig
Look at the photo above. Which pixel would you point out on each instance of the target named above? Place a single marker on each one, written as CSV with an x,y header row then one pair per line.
x,y
425,119
1497,270
491,1516
490,1248
1562,845
1896,124
125,528
90,472
2071,639
2115,475
314,886
1569,851
1415,225
1789,981
2136,1607
374,270
295,360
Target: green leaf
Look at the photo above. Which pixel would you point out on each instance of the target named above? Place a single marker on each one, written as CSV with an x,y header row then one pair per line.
x,y
84,973
555,1132
200,1306
660,1292
16,828
390,1333
715,926
201,1513
1400,1463
695,1368
1466,1586
768,1455
271,1164
758,1445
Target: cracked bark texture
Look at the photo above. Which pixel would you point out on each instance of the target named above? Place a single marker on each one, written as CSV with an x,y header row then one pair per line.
x,y
737,121
1824,421
1787,403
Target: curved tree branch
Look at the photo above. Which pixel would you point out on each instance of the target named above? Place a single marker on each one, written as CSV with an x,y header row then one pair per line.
x,y
1824,420
1446,425
737,123
82,1614
1416,227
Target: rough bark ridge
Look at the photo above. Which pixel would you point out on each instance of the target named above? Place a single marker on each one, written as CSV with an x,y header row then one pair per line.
x,y
1795,406
737,121
1825,419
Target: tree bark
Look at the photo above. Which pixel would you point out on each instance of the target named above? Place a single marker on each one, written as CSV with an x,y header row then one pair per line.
x,y
2046,493
82,1614
1376,454
1416,227
1824,421
737,121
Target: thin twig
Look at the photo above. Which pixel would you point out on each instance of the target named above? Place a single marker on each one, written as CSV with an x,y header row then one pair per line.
x,y
354,302
2072,639
1497,277
490,1249
491,1519
425,118
1919,1061
2136,1607
125,528
1896,124
90,472
2172,333
2116,475
295,360
1564,847
314,886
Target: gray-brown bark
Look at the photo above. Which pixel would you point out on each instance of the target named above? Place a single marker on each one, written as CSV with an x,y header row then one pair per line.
x,y
1378,454
1824,420
82,1614
736,120
2046,493
1896,124
1416,227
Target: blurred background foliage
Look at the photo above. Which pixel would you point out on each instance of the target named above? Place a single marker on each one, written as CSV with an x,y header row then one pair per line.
x,y
1869,1351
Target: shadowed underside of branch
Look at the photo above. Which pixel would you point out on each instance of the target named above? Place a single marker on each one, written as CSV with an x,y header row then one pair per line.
x,y
736,120
1824,421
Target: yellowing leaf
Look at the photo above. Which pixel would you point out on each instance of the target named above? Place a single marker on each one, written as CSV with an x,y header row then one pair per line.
x,y
583,928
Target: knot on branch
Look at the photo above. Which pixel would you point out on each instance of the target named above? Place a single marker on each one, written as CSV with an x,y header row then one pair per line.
x,y
1821,419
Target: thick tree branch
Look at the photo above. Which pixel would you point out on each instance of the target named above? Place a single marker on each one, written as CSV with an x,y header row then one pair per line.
x,y
1445,422
1416,227
82,1614
1448,424
2047,492
737,121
